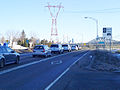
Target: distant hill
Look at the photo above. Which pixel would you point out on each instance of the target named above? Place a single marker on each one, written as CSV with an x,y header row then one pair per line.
x,y
101,39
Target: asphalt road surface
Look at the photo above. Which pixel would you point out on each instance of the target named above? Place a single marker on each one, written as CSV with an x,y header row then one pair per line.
x,y
77,79
36,73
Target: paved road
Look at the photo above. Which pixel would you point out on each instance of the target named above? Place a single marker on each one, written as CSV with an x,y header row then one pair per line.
x,y
38,74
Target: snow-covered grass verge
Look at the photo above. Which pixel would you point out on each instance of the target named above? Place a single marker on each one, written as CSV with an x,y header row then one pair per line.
x,y
100,61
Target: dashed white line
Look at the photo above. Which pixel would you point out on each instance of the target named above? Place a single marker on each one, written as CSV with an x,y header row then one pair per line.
x,y
56,62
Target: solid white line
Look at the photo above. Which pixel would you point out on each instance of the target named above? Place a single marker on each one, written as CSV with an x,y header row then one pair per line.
x,y
49,86
25,65
18,67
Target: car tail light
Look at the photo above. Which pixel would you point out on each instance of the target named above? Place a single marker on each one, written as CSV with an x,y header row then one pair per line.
x,y
43,50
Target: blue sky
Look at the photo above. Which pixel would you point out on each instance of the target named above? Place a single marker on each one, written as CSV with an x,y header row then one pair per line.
x,y
34,18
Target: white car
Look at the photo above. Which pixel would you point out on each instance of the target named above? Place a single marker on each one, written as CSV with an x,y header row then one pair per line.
x,y
41,50
66,47
56,48
74,47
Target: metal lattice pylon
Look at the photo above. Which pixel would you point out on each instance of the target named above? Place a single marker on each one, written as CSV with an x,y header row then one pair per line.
x,y
54,31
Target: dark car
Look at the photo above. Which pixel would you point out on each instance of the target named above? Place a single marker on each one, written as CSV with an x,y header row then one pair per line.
x,y
8,56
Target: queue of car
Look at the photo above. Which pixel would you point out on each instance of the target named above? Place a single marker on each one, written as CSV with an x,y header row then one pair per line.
x,y
45,51
8,56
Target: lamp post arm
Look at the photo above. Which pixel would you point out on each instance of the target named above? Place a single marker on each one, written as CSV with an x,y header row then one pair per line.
x,y
96,23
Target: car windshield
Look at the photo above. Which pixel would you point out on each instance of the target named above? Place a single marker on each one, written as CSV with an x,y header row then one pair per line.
x,y
38,47
54,46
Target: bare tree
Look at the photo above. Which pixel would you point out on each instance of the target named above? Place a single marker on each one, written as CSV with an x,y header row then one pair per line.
x,y
12,36
33,40
33,37
2,39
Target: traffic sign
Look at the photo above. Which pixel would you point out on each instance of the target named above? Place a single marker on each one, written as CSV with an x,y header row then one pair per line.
x,y
7,41
107,33
27,41
84,44
101,42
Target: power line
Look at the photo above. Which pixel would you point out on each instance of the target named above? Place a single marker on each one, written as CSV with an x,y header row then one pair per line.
x,y
110,10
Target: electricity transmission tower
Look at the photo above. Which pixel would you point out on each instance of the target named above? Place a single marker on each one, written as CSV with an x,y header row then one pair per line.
x,y
54,15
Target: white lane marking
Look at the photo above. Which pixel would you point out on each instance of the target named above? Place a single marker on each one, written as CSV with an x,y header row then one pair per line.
x,y
47,88
25,65
56,62
50,85
18,67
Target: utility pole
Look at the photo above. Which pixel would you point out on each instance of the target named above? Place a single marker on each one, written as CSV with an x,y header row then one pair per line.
x,y
97,37
63,39
54,31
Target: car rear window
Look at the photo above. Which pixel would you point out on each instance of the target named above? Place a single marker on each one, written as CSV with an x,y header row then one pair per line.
x,y
38,47
65,45
54,46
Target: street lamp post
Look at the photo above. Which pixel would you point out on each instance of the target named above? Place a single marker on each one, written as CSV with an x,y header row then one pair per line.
x,y
96,27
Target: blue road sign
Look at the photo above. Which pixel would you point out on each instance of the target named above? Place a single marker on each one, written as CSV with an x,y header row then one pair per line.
x,y
101,42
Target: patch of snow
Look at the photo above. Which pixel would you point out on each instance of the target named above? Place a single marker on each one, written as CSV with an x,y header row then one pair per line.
x,y
18,47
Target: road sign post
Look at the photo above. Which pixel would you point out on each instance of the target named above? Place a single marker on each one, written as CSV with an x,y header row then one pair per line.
x,y
107,35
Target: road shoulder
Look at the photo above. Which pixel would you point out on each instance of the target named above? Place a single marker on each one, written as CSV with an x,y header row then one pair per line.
x,y
80,78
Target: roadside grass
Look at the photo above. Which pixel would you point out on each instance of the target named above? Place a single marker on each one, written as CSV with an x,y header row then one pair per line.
x,y
118,51
100,60
105,61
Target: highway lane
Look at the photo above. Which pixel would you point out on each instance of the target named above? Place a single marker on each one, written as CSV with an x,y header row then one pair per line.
x,y
24,59
39,75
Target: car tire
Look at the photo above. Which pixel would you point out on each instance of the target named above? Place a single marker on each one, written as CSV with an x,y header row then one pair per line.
x,y
2,63
17,60
45,56
59,52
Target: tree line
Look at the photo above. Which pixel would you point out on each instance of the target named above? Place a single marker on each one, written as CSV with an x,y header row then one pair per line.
x,y
21,39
